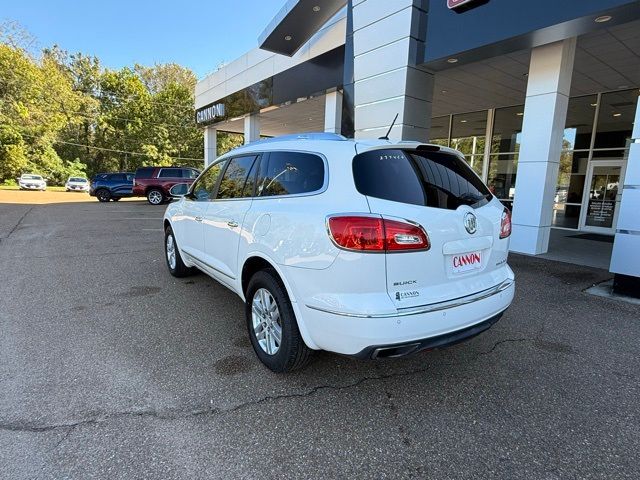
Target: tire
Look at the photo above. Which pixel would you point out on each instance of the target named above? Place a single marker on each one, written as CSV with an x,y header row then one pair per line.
x,y
103,195
155,197
291,353
176,266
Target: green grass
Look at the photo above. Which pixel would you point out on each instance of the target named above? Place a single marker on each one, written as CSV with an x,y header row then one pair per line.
x,y
15,187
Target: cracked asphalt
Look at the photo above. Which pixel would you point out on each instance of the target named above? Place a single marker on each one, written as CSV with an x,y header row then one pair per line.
x,y
111,368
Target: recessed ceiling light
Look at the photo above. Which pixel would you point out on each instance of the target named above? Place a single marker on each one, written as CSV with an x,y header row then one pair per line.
x,y
288,38
444,91
617,114
603,19
316,8
463,121
520,114
594,104
525,74
452,60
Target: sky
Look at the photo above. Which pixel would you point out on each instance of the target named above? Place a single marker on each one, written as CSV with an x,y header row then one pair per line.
x,y
199,35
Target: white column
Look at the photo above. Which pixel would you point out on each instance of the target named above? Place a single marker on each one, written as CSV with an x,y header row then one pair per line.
x,y
251,128
625,259
333,112
545,114
388,80
210,145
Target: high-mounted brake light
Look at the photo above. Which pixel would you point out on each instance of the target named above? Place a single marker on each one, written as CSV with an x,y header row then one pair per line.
x,y
505,223
376,234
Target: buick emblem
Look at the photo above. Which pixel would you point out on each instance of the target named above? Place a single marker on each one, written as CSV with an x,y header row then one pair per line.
x,y
470,223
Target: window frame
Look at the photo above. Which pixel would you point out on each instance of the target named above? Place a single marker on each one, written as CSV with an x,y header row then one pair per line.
x,y
266,157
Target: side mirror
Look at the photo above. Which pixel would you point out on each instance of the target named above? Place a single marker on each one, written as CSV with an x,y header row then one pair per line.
x,y
179,190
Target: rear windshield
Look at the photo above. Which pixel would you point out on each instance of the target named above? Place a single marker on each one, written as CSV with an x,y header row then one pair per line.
x,y
419,177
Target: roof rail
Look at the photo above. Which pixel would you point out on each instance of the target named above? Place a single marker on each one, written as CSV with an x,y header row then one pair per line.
x,y
303,136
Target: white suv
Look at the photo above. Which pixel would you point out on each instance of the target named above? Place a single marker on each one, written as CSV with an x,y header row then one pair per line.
x,y
365,248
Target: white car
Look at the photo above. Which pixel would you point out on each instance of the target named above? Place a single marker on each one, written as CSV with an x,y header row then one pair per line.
x,y
29,181
77,184
365,248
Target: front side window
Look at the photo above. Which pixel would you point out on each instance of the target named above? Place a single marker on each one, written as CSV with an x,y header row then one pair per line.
x,y
203,188
419,177
235,177
290,173
170,173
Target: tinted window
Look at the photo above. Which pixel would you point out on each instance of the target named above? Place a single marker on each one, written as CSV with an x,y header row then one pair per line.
x,y
204,187
288,173
235,177
130,177
419,177
117,177
170,173
146,172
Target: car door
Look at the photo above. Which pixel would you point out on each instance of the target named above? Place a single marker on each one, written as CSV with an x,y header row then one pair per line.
x,y
188,225
223,223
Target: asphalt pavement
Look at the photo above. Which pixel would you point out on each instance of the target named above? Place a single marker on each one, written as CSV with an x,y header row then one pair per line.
x,y
111,368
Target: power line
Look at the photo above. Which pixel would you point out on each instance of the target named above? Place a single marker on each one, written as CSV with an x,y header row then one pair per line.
x,y
114,150
86,115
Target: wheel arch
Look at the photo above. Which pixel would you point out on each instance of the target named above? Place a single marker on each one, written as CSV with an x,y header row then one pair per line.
x,y
257,261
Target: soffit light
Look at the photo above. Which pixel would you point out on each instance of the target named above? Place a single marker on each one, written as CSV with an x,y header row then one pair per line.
x,y
463,121
520,114
452,60
603,19
316,8
288,38
617,114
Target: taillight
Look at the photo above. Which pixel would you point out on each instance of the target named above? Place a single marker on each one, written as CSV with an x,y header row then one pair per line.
x,y
505,223
364,233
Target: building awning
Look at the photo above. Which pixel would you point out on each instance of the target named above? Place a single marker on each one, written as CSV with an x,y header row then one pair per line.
x,y
296,23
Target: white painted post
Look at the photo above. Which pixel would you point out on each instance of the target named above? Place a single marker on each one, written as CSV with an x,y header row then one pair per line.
x,y
251,128
210,145
333,112
625,259
388,80
545,114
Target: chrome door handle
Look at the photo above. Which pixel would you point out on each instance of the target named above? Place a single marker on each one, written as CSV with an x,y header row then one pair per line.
x,y
198,219
232,224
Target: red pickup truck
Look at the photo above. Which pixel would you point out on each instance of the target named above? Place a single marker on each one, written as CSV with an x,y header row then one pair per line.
x,y
155,182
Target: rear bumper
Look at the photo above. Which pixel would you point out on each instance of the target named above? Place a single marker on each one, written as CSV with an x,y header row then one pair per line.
x,y
428,327
439,341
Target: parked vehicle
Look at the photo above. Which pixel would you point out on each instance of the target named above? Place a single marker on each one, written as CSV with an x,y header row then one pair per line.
x,y
77,184
365,248
30,181
155,183
111,186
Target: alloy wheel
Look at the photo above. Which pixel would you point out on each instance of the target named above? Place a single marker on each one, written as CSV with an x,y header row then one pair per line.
x,y
265,317
155,197
171,251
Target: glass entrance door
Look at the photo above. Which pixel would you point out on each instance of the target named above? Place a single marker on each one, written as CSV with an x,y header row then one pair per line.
x,y
602,196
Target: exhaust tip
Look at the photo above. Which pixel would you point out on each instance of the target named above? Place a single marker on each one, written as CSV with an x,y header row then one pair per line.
x,y
395,352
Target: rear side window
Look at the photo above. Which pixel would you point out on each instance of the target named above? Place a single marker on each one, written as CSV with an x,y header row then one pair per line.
x,y
189,173
145,172
235,177
419,177
290,173
117,177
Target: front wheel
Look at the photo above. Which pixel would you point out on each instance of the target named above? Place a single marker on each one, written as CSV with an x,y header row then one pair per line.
x,y
155,197
103,195
272,324
177,268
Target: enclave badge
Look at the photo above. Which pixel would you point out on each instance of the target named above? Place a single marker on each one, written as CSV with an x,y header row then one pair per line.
x,y
470,223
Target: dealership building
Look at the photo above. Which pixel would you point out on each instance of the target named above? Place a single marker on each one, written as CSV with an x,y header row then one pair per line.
x,y
540,96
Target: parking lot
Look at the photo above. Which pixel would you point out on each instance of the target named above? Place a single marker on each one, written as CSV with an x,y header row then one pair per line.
x,y
111,368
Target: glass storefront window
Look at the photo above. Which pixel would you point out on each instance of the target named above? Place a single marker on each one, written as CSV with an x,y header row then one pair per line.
x,y
579,125
468,132
475,162
502,175
507,127
440,131
615,119
565,215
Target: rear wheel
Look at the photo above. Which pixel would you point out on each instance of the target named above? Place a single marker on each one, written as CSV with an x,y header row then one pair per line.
x,y
272,324
103,195
155,196
177,268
